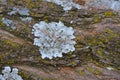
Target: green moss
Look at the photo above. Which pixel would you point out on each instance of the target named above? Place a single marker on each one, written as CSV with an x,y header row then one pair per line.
x,y
73,63
7,47
1,17
32,4
22,30
93,70
102,38
96,19
109,14
25,76
44,61
1,24
45,19
10,43
51,5
111,33
6,62
99,51
10,62
82,72
28,1
105,45
1,58
29,4
90,69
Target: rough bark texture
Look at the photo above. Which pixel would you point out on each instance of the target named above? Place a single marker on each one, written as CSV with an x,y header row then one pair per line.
x,y
97,35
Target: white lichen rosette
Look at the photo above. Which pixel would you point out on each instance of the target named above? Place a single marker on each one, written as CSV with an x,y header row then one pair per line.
x,y
53,39
8,74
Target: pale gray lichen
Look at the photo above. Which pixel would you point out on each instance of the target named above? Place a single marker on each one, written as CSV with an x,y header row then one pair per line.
x,y
8,23
8,74
26,19
14,11
110,68
21,11
53,39
105,4
66,4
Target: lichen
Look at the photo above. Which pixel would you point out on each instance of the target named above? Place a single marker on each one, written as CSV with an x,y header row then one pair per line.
x,y
8,23
53,39
26,19
8,74
65,4
20,11
105,4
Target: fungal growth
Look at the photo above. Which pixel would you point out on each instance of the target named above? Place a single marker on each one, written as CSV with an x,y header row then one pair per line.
x,y
53,39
